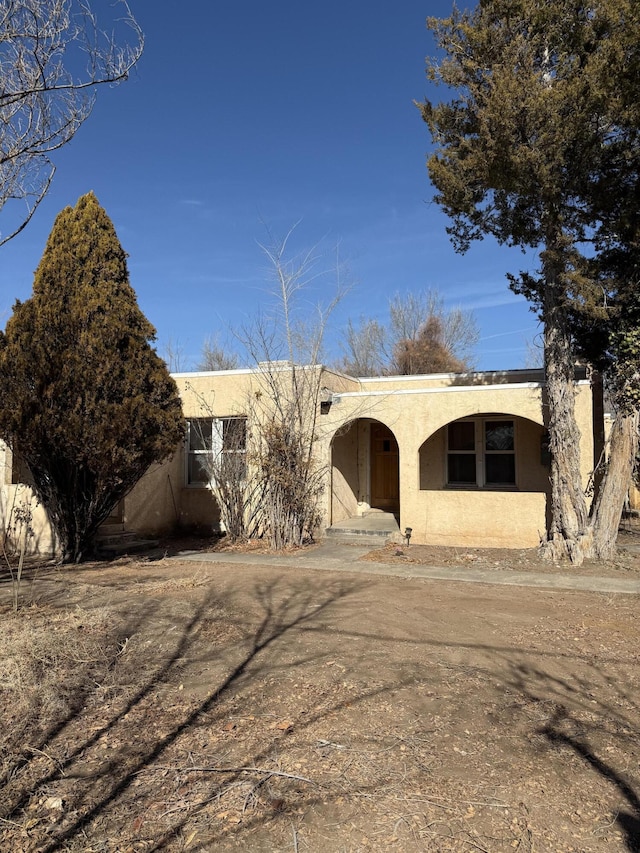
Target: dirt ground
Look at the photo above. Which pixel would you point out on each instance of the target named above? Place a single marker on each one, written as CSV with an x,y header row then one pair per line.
x,y
165,705
625,565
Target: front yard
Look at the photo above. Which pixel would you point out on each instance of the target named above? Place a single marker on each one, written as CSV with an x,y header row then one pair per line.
x,y
177,706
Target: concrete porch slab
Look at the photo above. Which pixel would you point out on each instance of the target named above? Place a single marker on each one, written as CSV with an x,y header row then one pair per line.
x,y
374,528
371,523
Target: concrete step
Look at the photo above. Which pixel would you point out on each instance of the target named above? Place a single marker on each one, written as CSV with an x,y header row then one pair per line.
x,y
364,535
346,538
116,544
111,528
359,531
374,528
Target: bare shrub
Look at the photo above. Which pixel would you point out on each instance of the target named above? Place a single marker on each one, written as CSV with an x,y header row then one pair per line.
x,y
16,522
287,347
222,461
291,478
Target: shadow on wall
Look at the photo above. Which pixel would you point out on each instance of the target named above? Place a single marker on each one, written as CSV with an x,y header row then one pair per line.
x,y
24,526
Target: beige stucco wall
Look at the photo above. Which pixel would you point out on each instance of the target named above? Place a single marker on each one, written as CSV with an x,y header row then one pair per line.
x,y
493,517
153,506
349,471
18,498
162,501
17,502
416,410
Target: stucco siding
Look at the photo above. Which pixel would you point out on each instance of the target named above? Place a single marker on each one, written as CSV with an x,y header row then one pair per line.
x,y
153,506
416,410
482,519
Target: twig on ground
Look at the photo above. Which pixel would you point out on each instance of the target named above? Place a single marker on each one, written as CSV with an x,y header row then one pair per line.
x,y
35,751
325,743
11,822
254,790
237,770
179,807
476,846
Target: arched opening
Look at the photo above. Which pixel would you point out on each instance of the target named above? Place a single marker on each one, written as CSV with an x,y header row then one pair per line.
x,y
365,470
486,451
384,462
484,480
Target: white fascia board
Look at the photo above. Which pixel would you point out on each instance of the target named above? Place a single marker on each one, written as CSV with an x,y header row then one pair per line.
x,y
238,371
398,392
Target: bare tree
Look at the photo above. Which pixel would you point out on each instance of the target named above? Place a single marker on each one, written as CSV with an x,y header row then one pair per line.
x,y
173,355
53,55
421,336
365,348
216,356
226,444
534,351
262,466
287,346
457,329
426,353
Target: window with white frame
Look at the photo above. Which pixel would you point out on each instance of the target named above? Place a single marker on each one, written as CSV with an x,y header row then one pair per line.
x,y
215,444
481,453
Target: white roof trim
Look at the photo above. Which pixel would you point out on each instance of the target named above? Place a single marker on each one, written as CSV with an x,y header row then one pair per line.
x,y
514,386
236,372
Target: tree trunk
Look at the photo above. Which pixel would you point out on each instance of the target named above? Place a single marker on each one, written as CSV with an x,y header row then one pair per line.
x,y
568,534
607,509
573,532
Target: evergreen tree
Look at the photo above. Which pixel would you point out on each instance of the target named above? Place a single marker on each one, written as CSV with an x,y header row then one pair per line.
x,y
539,148
85,400
426,353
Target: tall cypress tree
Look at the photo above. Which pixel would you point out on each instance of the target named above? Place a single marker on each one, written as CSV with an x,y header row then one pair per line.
x,y
84,398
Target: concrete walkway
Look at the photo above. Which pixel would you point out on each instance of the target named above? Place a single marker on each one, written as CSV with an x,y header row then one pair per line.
x,y
330,556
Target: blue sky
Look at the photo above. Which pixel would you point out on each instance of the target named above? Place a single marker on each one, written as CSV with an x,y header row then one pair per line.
x,y
245,113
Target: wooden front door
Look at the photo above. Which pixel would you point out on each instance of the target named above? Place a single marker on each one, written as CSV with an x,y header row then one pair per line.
x,y
385,470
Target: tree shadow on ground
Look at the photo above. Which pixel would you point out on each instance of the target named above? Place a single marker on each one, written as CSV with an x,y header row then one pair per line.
x,y
585,708
145,762
581,721
67,759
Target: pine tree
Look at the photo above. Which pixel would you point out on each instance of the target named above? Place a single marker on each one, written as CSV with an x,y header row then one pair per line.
x,y
541,136
85,400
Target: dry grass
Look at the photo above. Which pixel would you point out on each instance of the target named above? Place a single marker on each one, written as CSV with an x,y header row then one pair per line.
x,y
52,662
254,709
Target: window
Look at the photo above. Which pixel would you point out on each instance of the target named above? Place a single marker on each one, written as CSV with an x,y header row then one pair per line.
x,y
200,432
462,452
233,456
499,454
481,452
215,445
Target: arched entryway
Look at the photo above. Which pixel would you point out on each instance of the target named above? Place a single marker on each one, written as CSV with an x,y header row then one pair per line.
x,y
365,470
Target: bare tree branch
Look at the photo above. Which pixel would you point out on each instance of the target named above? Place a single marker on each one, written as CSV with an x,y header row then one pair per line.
x,y
53,55
216,356
288,348
421,336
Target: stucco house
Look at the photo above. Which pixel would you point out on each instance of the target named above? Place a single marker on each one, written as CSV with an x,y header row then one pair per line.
x,y
461,459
